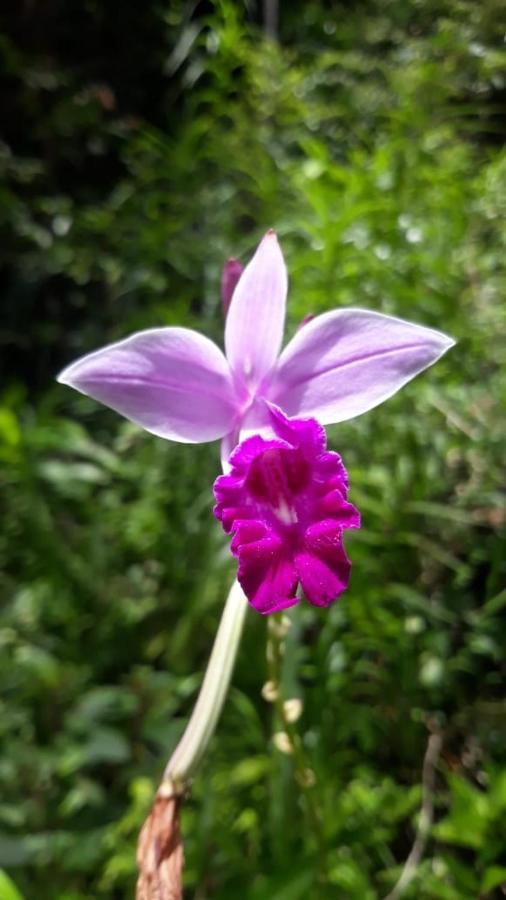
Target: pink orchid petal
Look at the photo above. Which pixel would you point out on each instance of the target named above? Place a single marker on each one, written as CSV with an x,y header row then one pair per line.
x,y
323,567
256,316
267,575
248,531
334,504
345,362
173,382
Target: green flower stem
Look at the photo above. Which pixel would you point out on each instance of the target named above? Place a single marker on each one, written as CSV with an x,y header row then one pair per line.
x,y
206,712
293,746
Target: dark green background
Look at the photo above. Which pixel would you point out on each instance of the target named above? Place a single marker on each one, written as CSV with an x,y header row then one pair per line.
x,y
142,144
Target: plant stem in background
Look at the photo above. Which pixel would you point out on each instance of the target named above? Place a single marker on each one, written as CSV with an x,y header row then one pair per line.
x,y
288,740
271,14
430,762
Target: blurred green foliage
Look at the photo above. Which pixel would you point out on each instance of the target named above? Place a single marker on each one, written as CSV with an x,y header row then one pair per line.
x,y
139,152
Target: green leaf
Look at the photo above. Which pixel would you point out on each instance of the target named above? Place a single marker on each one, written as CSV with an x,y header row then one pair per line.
x,y
494,876
8,890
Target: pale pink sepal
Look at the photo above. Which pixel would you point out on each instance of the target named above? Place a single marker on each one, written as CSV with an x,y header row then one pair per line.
x,y
256,316
347,361
173,382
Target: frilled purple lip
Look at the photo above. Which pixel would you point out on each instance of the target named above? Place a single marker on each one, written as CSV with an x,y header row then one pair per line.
x,y
285,502
177,384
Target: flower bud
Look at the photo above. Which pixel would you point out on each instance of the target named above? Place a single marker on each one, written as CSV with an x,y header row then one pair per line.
x,y
282,742
292,709
270,692
230,275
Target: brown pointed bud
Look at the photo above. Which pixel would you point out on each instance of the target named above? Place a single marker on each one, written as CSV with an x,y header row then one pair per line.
x,y
232,271
160,850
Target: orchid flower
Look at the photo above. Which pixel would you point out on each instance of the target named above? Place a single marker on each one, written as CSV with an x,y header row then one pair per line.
x,y
178,384
283,495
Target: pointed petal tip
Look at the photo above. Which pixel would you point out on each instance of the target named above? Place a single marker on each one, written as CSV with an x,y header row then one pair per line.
x,y
69,376
63,377
446,342
270,237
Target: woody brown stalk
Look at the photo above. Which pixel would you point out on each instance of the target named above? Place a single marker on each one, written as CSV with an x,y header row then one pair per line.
x,y
160,854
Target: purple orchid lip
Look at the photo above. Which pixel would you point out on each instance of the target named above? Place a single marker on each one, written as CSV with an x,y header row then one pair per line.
x,y
285,502
178,384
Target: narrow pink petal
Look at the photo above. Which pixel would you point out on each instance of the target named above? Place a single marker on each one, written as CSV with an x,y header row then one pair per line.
x,y
173,382
256,316
323,567
345,362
